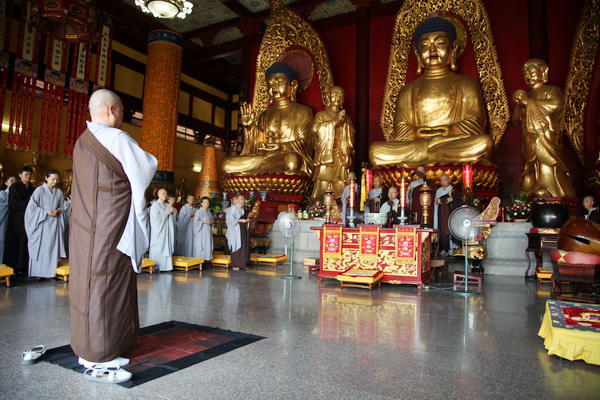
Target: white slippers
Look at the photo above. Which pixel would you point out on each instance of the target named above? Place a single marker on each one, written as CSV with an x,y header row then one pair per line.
x,y
32,355
103,374
116,363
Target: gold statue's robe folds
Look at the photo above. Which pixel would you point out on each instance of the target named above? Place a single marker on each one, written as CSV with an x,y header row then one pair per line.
x,y
289,128
334,150
545,172
454,101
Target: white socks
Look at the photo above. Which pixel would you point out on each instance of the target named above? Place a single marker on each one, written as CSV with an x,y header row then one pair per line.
x,y
117,362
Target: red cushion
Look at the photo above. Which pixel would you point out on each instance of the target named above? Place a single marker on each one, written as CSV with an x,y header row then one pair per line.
x,y
574,257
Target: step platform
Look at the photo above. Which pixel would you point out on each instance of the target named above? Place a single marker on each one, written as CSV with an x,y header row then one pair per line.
x,y
187,263
360,278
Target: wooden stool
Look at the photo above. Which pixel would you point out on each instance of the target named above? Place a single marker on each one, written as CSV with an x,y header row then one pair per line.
x,y
187,263
5,274
473,278
147,265
63,272
360,278
544,275
221,261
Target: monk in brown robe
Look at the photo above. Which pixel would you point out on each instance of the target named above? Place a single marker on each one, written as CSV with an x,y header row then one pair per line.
x,y
108,237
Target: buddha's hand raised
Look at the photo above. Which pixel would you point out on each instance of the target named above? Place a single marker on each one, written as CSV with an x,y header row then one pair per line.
x,y
247,114
520,97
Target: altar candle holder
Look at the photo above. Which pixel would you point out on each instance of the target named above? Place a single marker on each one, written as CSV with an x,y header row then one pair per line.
x,y
328,199
425,201
403,218
352,202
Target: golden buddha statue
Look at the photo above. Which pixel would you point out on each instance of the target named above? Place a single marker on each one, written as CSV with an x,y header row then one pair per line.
x,y
38,170
539,113
440,116
279,140
334,145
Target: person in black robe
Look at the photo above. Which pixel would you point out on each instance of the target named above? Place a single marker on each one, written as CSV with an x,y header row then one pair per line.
x,y
16,254
590,212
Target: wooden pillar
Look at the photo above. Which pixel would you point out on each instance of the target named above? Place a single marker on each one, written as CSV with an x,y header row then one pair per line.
x,y
161,98
537,22
363,47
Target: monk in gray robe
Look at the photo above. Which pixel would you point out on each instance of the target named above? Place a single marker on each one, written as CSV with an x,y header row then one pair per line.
x,y
45,224
185,228
238,237
203,232
4,213
162,233
108,237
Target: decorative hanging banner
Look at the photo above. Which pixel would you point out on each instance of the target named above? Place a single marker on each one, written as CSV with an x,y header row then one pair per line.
x,y
103,59
332,241
368,241
24,85
78,97
406,244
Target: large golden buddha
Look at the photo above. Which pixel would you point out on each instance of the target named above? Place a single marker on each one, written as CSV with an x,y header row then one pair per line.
x,y
279,140
440,116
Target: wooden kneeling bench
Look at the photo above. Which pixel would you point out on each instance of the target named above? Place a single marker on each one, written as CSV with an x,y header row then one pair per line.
x,y
187,263
5,273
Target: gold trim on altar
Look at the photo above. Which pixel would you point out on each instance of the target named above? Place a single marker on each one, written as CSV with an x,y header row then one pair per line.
x,y
473,13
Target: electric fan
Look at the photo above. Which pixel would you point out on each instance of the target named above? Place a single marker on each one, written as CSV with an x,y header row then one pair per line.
x,y
289,226
463,226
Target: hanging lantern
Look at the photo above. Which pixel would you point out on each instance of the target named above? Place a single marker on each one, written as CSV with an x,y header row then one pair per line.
x,y
70,20
468,176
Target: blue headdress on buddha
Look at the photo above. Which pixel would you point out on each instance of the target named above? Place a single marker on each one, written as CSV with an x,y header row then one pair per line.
x,y
435,24
282,68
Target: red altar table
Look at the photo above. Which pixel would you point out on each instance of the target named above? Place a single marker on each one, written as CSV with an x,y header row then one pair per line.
x,y
396,271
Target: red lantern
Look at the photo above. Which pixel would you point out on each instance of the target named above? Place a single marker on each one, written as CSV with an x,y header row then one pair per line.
x,y
468,176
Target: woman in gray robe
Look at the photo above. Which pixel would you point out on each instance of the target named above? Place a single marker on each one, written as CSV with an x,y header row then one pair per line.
x,y
185,230
203,232
45,224
162,232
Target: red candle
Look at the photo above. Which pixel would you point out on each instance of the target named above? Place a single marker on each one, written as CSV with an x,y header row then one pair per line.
x,y
352,193
468,176
403,193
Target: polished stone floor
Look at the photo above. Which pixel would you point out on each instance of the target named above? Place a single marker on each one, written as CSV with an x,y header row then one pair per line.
x,y
321,342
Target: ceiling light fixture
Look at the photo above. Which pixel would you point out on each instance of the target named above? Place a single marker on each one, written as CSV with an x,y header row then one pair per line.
x,y
166,8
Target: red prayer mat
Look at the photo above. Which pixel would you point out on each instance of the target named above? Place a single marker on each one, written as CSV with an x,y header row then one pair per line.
x,y
577,316
165,348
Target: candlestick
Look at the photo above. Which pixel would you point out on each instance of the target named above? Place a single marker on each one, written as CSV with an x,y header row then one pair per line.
x,y
352,201
403,192
468,176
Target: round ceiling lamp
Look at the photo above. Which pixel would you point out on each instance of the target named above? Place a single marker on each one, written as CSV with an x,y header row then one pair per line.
x,y
166,8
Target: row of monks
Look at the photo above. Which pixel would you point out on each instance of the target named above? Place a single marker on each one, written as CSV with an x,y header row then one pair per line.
x,y
439,118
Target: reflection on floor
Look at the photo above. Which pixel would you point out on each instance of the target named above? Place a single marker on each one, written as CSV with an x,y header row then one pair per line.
x,y
322,342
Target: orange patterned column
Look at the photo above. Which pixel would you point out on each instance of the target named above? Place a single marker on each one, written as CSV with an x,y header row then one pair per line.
x,y
161,93
208,182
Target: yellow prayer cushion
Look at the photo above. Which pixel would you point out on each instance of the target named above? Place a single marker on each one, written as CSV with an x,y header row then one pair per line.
x,y
146,262
271,257
62,271
360,276
6,270
544,275
186,261
221,259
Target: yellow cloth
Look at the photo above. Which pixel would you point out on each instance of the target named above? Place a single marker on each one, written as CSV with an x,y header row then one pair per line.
x,y
568,343
6,271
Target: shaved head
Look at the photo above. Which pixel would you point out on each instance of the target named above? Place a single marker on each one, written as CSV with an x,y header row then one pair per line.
x,y
106,107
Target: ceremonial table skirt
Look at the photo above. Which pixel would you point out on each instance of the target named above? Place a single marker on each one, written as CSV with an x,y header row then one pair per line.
x,y
572,331
412,268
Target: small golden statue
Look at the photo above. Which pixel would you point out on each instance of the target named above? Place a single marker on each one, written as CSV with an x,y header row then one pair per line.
x,y
440,116
334,145
67,182
279,140
38,170
539,113
181,190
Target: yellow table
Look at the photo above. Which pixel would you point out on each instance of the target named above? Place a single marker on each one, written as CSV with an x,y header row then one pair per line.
x,y
187,263
566,340
5,274
221,261
360,278
63,269
147,265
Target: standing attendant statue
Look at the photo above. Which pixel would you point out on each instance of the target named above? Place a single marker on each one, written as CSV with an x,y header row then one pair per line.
x,y
539,113
334,145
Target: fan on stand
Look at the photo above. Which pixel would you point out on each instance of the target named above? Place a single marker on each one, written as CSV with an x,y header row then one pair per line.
x,y
463,226
289,226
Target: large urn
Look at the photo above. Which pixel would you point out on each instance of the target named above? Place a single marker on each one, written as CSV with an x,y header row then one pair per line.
x,y
545,215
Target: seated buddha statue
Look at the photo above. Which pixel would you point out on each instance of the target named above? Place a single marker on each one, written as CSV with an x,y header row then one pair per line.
x,y
440,116
278,141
